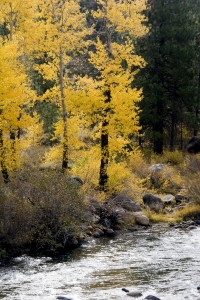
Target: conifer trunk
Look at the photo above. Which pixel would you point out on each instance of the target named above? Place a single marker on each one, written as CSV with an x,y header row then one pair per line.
x,y
65,155
4,170
172,131
158,130
103,175
196,127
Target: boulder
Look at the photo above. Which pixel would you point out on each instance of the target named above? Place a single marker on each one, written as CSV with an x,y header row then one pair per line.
x,y
125,202
168,199
193,145
156,168
141,219
153,202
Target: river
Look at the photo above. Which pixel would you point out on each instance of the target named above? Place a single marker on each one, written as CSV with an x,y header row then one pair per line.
x,y
159,261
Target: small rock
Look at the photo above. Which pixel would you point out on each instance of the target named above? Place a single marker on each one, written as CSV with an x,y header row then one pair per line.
x,y
89,233
63,298
109,232
178,226
179,198
150,297
198,288
134,294
95,219
125,290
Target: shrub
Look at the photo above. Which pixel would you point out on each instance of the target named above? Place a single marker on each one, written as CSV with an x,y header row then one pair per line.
x,y
194,187
137,164
167,180
40,212
174,158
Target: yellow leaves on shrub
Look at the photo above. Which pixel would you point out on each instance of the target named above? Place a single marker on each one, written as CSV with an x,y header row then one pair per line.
x,y
168,180
121,178
138,164
86,166
173,157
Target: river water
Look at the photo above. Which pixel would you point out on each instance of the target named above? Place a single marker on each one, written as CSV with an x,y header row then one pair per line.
x,y
159,261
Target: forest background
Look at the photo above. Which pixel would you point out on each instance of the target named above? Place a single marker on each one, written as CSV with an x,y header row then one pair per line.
x,y
93,89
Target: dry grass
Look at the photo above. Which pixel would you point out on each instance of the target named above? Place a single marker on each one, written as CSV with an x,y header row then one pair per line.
x,y
162,217
187,211
176,216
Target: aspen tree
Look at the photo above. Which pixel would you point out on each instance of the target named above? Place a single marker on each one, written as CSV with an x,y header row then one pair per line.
x,y
16,97
115,58
61,33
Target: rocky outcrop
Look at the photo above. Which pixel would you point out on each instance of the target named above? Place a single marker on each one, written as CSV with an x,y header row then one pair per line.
x,y
153,202
118,213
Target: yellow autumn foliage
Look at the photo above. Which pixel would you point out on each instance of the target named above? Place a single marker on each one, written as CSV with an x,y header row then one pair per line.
x,y
15,99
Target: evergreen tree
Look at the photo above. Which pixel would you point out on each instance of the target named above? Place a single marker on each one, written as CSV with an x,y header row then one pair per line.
x,y
168,78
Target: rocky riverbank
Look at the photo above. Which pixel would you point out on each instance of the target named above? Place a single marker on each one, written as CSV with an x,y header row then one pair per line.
x,y
41,218
121,213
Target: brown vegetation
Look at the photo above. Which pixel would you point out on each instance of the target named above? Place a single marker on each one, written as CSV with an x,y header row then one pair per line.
x,y
40,213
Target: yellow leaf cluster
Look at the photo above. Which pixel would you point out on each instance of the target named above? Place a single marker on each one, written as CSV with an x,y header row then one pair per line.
x,y
15,99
